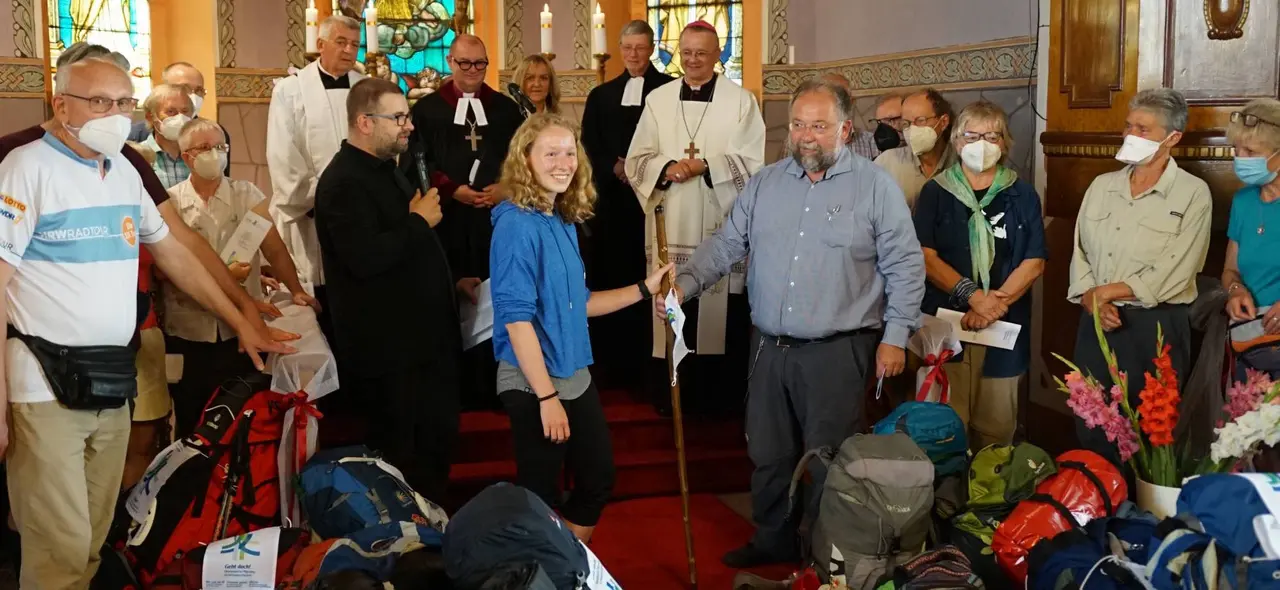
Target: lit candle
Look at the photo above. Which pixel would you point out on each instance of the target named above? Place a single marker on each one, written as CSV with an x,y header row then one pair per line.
x,y
371,28
598,40
545,17
313,27
791,55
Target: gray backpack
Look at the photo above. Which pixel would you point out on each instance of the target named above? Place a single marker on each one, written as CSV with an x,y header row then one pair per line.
x,y
875,509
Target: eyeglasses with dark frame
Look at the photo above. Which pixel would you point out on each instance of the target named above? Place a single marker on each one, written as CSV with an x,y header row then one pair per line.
x,y
102,104
990,136
896,122
401,119
466,65
1249,120
200,149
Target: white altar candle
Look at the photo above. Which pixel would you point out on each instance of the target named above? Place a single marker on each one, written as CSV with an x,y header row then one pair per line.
x,y
371,28
791,55
545,18
598,40
313,27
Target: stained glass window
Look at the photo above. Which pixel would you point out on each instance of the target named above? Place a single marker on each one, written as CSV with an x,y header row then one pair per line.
x,y
122,25
414,37
669,17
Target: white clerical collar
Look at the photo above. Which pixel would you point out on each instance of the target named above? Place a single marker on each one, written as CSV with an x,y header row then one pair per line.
x,y
633,94
469,100
324,71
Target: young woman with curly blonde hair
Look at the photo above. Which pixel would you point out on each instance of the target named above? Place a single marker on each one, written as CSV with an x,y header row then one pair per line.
x,y
540,306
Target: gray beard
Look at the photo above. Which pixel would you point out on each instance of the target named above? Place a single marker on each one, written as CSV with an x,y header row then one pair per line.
x,y
818,162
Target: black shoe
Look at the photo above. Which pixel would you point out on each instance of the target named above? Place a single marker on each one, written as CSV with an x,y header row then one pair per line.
x,y
748,556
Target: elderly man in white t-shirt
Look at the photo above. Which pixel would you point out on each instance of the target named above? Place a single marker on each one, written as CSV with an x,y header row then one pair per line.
x,y
77,213
215,206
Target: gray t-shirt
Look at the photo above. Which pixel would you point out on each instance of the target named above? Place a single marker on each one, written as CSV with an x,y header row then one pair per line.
x,y
510,377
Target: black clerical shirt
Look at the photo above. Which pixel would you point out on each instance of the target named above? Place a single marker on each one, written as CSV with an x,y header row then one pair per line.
x,y
688,93
390,288
342,82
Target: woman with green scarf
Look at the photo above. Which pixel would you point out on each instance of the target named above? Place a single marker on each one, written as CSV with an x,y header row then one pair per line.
x,y
982,233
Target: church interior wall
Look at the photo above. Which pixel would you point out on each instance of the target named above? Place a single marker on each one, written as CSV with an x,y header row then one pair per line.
x,y
22,70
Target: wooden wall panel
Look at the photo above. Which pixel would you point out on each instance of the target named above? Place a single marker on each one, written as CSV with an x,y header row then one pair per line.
x,y
1092,52
1220,71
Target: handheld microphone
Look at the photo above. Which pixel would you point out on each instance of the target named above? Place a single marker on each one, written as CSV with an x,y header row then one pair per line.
x,y
522,99
420,161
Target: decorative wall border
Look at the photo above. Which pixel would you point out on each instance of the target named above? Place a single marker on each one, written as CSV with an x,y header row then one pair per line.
x,y
582,34
513,11
575,85
227,33
993,64
246,85
296,11
1193,152
778,37
25,34
22,77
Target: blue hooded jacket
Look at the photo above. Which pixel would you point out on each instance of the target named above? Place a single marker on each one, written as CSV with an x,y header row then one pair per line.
x,y
537,276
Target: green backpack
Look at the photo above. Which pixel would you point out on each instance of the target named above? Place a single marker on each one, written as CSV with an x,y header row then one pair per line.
x,y
1000,476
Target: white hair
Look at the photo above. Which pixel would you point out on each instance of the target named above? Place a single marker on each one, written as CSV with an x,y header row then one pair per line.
x,y
340,21
186,138
62,78
161,93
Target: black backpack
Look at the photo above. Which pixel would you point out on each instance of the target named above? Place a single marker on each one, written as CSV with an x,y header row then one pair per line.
x,y
507,524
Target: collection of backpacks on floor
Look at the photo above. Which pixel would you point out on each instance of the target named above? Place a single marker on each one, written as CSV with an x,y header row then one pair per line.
x,y
364,525
905,509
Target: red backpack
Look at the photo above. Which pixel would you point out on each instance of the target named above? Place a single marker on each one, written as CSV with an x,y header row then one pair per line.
x,y
222,481
1085,488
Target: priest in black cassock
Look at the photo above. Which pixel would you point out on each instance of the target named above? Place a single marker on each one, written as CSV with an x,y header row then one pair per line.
x,y
615,248
464,129
392,293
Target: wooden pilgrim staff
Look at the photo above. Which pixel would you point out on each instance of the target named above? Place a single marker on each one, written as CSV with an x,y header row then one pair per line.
x,y
676,413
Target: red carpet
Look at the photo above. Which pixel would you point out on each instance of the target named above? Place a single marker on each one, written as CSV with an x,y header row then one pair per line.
x,y
641,542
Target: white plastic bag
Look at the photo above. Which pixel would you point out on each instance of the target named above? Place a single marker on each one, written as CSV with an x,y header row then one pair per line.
x,y
935,343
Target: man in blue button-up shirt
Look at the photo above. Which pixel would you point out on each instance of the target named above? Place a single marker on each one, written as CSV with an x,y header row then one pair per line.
x,y
834,265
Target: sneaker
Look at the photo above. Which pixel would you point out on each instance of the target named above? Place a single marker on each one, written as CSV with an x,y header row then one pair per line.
x,y
748,556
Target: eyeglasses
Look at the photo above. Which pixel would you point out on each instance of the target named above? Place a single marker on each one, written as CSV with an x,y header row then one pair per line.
x,y
895,122
102,104
221,148
400,118
921,121
466,65
816,128
990,136
1250,120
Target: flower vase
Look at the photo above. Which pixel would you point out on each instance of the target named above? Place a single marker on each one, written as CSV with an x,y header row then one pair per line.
x,y
1162,501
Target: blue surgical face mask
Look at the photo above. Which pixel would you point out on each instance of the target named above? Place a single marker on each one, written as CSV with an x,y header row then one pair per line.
x,y
1254,171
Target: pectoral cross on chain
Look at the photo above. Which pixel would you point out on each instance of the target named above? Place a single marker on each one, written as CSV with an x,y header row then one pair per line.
x,y
475,139
693,151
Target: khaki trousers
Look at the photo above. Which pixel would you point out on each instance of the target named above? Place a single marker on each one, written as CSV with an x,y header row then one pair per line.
x,y
64,478
987,405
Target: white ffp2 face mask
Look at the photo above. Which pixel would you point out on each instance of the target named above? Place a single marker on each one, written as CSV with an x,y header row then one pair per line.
x,y
921,139
980,155
210,164
171,127
105,135
1137,151
196,102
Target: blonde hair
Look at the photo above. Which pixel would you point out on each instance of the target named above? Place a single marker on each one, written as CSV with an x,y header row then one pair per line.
x,y
553,93
983,111
1267,134
163,92
575,205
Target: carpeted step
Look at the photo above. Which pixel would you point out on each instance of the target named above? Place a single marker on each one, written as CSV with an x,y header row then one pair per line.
x,y
639,473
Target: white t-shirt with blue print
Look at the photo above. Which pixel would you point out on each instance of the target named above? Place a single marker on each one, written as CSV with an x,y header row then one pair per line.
x,y
71,228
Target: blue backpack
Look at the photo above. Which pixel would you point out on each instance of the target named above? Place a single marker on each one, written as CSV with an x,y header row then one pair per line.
x,y
346,490
1224,506
937,429
1077,554
507,524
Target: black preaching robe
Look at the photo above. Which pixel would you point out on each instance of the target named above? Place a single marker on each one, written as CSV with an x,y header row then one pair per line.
x,y
465,229
617,230
394,313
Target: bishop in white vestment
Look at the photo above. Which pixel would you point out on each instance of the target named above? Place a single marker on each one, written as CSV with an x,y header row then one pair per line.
x,y
306,125
699,139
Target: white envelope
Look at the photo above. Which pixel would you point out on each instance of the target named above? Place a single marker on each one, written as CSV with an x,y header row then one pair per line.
x,y
1000,334
477,318
247,238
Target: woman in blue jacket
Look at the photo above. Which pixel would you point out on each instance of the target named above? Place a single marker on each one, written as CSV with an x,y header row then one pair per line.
x,y
540,306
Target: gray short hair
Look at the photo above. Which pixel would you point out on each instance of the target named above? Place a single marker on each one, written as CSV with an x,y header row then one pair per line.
x,y
193,128
1167,103
161,93
340,21
62,78
638,27
82,51
844,102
